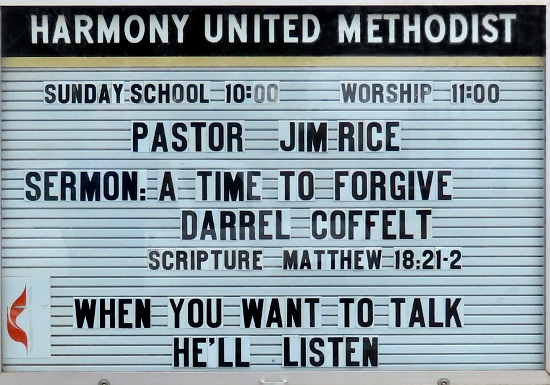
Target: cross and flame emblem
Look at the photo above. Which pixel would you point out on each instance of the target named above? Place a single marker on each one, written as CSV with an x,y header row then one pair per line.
x,y
15,331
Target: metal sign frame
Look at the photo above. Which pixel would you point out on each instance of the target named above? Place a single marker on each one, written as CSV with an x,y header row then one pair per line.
x,y
528,377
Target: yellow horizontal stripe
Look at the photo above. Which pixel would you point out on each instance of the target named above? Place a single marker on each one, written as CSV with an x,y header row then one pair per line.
x,y
278,61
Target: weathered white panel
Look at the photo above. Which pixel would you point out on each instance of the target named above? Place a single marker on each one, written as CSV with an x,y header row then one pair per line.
x,y
99,249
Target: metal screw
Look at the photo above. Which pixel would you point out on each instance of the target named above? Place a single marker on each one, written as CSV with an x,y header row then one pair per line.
x,y
103,382
444,381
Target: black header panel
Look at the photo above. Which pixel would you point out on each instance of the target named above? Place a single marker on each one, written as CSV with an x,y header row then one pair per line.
x,y
273,31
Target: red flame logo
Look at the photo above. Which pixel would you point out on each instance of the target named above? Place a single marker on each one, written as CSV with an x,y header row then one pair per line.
x,y
14,330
